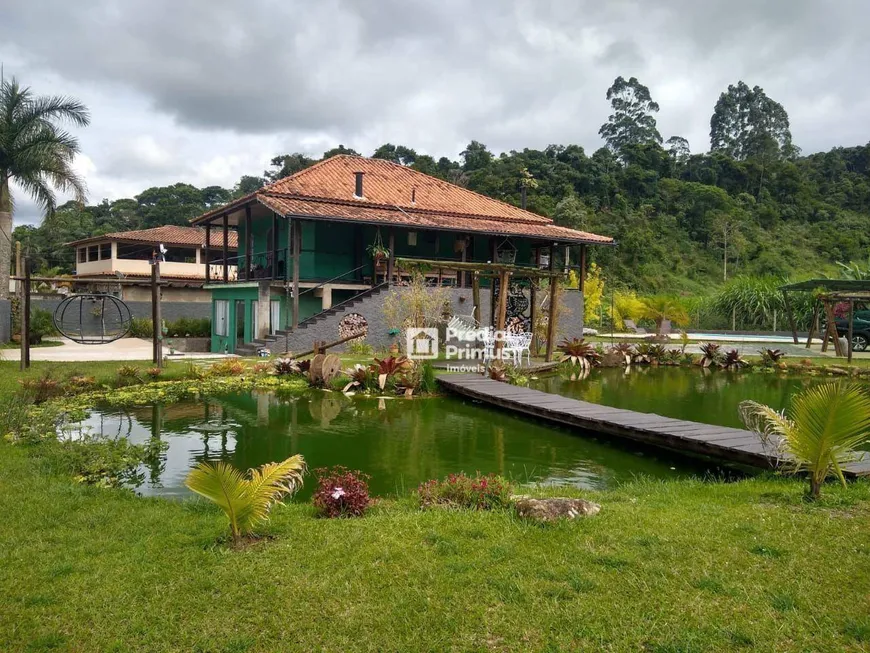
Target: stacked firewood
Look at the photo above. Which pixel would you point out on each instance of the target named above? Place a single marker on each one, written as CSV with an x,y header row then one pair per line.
x,y
351,325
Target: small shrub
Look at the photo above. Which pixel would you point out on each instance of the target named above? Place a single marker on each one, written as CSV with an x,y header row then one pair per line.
x,y
285,366
41,389
227,367
41,325
14,415
770,357
359,348
341,492
141,327
428,384
194,372
128,375
78,383
261,368
154,373
460,491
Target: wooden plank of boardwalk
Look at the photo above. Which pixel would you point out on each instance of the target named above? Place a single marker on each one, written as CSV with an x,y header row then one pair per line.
x,y
718,442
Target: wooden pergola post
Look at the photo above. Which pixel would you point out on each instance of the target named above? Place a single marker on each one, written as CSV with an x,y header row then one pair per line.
x,y
533,301
391,260
475,295
814,324
551,320
502,312
788,311
274,247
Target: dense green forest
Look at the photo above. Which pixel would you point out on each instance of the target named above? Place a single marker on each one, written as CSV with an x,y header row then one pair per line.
x,y
751,205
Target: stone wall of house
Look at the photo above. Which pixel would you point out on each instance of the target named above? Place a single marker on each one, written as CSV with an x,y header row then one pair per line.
x,y
372,309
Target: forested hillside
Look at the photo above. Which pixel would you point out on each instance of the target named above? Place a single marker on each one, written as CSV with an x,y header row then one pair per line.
x,y
751,205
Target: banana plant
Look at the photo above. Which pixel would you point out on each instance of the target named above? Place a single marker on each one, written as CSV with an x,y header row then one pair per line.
x,y
819,434
246,501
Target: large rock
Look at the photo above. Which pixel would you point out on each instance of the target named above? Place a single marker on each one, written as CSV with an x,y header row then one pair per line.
x,y
548,510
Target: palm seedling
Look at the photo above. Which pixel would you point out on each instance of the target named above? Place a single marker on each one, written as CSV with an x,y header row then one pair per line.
x,y
579,352
820,432
246,501
712,354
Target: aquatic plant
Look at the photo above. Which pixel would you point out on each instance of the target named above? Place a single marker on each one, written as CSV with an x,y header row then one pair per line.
x,y
246,501
818,434
341,492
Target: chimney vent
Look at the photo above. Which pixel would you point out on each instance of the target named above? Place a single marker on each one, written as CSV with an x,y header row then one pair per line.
x,y
358,190
523,198
414,195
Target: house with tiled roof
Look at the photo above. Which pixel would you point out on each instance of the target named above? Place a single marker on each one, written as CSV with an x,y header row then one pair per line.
x,y
128,255
336,232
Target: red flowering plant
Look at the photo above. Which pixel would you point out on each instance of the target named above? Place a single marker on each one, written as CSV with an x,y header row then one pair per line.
x,y
460,491
341,492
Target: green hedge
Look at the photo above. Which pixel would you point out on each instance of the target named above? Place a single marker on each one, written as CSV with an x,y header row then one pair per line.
x,y
183,327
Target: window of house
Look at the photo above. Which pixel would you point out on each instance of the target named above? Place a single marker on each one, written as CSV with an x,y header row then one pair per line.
x,y
412,238
221,316
93,253
274,316
83,255
105,251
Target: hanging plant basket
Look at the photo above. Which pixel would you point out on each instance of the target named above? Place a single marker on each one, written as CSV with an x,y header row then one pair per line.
x,y
377,250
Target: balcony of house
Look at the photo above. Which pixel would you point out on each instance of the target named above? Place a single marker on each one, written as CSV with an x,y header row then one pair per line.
x,y
134,260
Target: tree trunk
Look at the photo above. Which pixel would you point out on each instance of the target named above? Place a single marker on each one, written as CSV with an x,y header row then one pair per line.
x,y
5,238
815,487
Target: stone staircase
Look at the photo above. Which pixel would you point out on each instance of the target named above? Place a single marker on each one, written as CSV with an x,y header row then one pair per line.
x,y
322,326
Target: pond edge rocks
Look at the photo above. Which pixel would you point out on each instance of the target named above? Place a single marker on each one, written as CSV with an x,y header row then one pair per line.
x,y
553,509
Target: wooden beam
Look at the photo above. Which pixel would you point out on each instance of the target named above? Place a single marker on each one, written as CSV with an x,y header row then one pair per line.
x,y
553,318
226,248
484,268
582,267
814,324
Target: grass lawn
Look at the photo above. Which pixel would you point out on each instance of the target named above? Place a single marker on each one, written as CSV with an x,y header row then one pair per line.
x,y
678,566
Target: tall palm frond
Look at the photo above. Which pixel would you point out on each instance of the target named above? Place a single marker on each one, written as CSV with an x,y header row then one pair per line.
x,y
823,427
246,501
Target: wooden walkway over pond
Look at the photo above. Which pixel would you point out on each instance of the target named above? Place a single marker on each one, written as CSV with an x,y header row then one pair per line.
x,y
728,445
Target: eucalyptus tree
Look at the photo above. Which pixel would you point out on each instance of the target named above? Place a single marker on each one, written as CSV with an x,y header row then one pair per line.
x,y
37,154
632,121
746,124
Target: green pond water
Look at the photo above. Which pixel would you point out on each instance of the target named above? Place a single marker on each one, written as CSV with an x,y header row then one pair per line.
x,y
398,442
694,394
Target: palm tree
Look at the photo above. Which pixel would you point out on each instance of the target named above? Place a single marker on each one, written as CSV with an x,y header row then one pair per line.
x,y
662,307
37,154
823,427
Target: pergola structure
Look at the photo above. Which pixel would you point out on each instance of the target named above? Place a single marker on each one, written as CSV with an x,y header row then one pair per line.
x,y
827,294
503,272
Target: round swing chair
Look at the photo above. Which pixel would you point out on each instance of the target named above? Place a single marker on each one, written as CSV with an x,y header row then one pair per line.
x,y
93,318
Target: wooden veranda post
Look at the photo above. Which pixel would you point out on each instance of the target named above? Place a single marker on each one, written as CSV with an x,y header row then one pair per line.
x,y
788,311
207,252
274,246
24,307
502,311
297,237
391,260
226,248
156,319
249,244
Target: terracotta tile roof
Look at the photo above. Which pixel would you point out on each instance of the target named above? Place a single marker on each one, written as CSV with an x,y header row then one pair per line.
x,y
426,220
168,235
326,190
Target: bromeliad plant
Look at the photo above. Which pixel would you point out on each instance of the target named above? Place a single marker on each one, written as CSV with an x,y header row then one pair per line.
x,y
624,349
712,354
390,367
771,357
246,501
578,352
820,432
732,360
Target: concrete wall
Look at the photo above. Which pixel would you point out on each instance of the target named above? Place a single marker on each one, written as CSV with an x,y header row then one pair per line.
x,y
372,309
5,320
170,310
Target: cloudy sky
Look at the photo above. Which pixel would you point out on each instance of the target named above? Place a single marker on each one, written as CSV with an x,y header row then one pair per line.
x,y
205,91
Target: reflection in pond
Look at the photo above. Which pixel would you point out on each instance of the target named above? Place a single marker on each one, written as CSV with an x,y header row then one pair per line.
x,y
399,442
694,394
